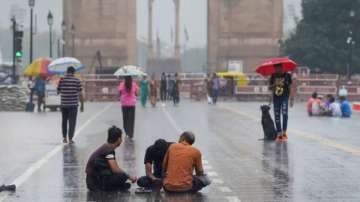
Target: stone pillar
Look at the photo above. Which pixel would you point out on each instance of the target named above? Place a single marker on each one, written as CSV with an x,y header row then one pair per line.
x,y
150,30
177,29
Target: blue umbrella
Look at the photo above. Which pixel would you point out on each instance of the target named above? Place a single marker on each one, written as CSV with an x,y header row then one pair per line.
x,y
60,65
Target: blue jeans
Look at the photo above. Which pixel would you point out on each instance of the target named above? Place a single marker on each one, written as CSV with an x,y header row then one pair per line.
x,y
215,95
281,108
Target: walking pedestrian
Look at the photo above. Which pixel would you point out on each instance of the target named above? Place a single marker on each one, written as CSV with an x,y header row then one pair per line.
x,y
128,91
144,90
169,87
280,85
215,88
208,87
163,87
40,88
102,171
70,91
176,89
153,91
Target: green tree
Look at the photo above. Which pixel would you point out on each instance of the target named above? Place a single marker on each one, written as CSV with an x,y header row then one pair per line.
x,y
320,38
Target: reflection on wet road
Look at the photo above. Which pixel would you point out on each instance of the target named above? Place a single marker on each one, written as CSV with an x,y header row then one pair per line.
x,y
241,167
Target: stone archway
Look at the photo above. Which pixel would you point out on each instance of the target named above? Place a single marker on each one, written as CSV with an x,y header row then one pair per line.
x,y
243,30
238,30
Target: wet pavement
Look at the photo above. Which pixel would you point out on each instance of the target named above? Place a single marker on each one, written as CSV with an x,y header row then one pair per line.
x,y
320,162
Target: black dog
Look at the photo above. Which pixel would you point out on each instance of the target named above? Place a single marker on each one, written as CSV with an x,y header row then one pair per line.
x,y
267,123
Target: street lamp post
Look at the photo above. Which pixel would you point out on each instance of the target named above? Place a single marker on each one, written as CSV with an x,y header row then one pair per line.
x,y
50,21
351,42
73,39
31,5
63,28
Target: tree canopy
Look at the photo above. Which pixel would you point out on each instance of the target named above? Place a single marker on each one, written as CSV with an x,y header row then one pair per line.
x,y
321,36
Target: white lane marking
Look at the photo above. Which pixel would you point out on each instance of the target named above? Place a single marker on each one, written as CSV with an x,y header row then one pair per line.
x,y
225,189
172,121
205,162
217,181
233,199
319,139
41,162
212,174
207,167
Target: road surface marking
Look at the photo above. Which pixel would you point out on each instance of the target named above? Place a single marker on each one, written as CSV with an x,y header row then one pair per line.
x,y
212,174
205,162
321,140
225,189
217,181
41,162
233,199
207,167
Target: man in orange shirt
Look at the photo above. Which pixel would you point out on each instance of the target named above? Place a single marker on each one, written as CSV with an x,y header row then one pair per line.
x,y
179,162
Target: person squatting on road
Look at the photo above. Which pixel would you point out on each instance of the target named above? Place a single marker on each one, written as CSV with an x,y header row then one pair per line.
x,y
102,171
179,162
128,91
70,91
280,85
153,161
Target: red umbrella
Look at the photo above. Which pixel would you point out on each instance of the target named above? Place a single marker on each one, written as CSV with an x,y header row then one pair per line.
x,y
268,67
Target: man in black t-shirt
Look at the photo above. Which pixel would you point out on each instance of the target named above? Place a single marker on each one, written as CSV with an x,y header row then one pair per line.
x,y
153,165
102,171
280,85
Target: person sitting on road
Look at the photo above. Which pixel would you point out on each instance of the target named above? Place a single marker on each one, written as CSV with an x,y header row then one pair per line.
x,y
310,103
334,108
316,107
345,107
179,162
153,161
102,171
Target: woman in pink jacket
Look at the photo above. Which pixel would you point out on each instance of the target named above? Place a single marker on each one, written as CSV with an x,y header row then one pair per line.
x,y
128,91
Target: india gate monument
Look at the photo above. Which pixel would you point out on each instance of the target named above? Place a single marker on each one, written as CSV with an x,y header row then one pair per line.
x,y
104,31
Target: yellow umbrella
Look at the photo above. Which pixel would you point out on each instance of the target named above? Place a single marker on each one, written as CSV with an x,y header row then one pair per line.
x,y
39,67
242,79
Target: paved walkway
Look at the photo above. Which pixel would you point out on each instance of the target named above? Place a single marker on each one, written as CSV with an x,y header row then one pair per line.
x,y
319,162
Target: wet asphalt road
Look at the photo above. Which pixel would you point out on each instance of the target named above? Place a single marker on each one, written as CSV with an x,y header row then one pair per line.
x,y
320,162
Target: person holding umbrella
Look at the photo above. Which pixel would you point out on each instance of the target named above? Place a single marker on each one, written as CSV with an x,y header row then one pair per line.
x,y
128,91
70,90
280,84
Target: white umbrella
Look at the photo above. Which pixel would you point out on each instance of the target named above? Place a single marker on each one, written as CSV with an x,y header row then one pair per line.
x,y
60,65
130,70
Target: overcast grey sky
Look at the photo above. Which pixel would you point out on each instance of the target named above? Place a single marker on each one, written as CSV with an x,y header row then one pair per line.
x,y
193,17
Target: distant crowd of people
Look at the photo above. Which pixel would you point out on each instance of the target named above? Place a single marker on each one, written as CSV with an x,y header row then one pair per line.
x,y
328,106
168,86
